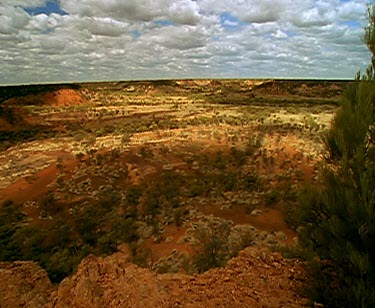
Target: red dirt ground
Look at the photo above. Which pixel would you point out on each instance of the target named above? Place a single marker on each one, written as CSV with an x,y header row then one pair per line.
x,y
64,97
24,190
163,249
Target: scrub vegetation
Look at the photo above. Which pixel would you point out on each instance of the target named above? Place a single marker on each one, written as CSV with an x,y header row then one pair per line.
x,y
337,214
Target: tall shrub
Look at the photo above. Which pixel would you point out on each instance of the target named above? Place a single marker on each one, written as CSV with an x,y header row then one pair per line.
x,y
338,216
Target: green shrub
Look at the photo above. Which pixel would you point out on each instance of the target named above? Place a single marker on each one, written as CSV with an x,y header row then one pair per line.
x,y
338,217
48,204
214,238
272,197
146,152
178,215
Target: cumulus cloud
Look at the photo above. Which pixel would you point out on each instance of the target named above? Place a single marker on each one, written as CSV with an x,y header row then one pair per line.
x,y
24,3
179,11
315,16
252,11
352,10
137,10
133,39
180,38
43,22
12,19
262,11
184,12
104,26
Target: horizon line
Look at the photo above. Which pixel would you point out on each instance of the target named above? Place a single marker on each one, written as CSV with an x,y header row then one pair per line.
x,y
172,79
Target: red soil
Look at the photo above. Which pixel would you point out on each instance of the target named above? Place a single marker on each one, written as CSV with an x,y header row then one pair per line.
x,y
163,249
23,190
64,97
34,187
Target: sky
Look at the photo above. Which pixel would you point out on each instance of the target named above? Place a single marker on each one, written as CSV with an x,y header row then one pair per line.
x,y
96,40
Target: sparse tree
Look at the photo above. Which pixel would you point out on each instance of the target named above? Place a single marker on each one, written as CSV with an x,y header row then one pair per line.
x,y
214,239
47,204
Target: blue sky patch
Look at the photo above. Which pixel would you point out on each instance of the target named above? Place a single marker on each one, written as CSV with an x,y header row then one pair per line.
x,y
163,22
49,8
216,38
290,33
135,34
351,23
229,21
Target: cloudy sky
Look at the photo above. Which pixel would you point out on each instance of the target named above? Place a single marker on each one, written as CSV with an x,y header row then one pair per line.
x,y
87,40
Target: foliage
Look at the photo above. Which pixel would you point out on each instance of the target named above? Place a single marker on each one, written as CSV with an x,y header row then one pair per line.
x,y
26,134
7,114
338,218
369,36
272,197
60,247
178,216
146,152
47,204
219,241
10,216
214,238
51,247
222,172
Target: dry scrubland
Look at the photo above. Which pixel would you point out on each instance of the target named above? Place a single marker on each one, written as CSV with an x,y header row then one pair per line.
x,y
178,175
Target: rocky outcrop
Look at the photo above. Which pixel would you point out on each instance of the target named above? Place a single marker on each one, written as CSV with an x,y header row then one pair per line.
x,y
110,282
60,97
256,278
24,284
